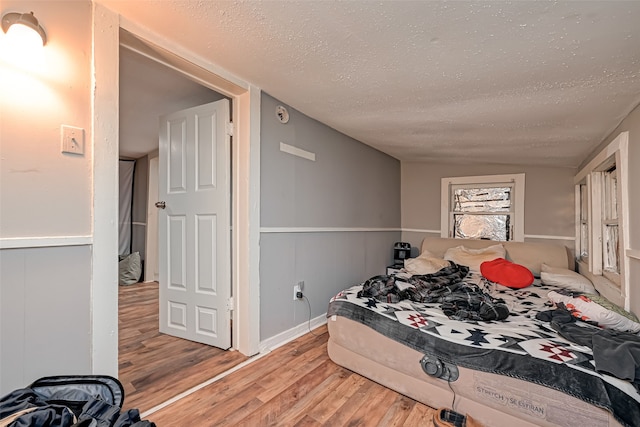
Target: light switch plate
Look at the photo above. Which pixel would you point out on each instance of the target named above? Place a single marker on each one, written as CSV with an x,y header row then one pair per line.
x,y
72,139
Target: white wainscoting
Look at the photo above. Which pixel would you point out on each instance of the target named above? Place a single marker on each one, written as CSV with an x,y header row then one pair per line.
x,y
44,242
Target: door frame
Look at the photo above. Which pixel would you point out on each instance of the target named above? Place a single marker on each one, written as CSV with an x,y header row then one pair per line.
x,y
151,262
245,201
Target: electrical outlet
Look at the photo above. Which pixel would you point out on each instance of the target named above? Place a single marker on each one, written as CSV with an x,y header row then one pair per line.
x,y
297,290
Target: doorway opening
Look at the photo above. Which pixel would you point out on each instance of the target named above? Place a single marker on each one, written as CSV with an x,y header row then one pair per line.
x,y
110,31
149,89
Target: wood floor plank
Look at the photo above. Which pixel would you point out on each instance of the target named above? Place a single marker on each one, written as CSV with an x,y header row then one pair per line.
x,y
234,418
420,415
270,413
280,379
373,408
347,411
342,394
313,398
398,412
307,421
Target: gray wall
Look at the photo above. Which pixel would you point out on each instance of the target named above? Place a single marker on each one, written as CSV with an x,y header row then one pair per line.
x,y
45,196
350,185
549,198
44,320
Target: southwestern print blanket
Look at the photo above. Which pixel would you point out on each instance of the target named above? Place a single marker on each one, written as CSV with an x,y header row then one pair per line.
x,y
520,346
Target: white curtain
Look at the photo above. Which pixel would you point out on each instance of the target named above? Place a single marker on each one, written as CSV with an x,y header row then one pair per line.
x,y
124,214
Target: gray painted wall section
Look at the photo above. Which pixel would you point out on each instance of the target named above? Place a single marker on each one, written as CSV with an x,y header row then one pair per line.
x,y
326,262
350,185
44,321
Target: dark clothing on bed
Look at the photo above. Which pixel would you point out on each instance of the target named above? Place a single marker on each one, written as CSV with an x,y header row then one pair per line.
x,y
419,288
468,302
619,355
460,301
559,315
433,287
615,353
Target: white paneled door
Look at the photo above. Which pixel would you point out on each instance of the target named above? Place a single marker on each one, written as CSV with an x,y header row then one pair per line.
x,y
194,224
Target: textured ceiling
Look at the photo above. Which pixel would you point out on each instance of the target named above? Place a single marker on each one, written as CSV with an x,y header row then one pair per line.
x,y
500,82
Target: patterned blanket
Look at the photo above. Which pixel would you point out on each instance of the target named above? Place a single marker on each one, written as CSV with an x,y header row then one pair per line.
x,y
520,346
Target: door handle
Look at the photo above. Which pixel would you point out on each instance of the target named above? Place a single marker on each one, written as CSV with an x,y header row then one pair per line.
x,y
161,205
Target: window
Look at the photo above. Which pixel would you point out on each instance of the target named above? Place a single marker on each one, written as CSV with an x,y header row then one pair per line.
x,y
610,246
601,200
483,207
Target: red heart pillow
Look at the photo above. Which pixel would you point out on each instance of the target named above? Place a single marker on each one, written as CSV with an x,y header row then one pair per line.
x,y
507,273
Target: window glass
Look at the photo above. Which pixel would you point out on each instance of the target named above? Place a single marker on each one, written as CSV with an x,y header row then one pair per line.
x,y
488,199
492,227
478,205
584,241
483,207
611,248
610,199
583,203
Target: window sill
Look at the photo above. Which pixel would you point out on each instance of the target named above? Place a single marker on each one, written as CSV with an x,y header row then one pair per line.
x,y
608,289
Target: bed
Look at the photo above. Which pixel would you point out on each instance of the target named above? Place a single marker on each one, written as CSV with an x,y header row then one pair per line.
x,y
517,371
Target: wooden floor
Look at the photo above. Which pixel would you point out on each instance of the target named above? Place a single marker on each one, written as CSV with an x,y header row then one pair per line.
x,y
154,367
294,385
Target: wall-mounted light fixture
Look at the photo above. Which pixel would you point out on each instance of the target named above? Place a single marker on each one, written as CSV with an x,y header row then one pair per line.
x,y
24,26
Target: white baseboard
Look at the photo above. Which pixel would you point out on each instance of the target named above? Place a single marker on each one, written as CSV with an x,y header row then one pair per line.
x,y
289,335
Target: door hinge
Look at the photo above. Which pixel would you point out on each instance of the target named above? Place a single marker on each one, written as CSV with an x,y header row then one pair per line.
x,y
230,304
230,128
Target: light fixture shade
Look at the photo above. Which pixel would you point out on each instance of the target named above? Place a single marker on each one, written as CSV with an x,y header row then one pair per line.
x,y
26,19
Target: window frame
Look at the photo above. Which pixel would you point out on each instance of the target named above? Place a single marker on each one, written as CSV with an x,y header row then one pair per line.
x,y
518,194
607,220
614,286
582,220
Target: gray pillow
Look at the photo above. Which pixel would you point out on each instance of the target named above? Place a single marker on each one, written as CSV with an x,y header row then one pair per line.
x,y
129,269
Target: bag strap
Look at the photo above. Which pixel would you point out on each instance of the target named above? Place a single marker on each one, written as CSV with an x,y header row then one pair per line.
x,y
4,422
11,418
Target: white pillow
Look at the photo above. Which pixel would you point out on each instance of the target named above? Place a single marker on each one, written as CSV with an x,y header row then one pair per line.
x,y
424,264
566,278
472,258
606,314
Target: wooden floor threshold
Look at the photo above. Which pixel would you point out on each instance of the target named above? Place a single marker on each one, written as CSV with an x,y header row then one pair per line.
x,y
206,383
